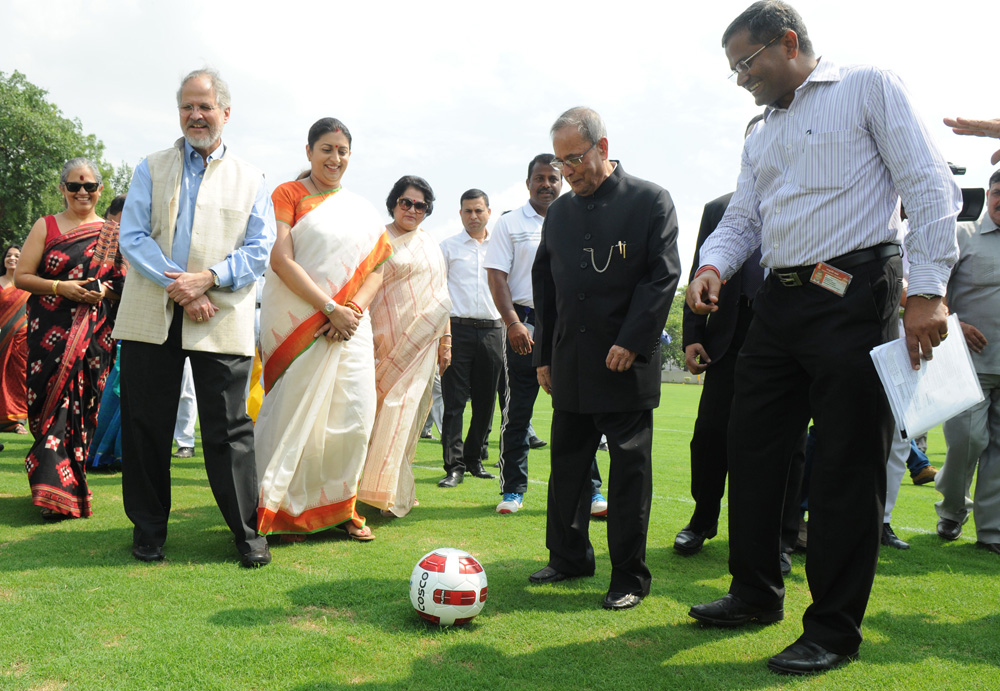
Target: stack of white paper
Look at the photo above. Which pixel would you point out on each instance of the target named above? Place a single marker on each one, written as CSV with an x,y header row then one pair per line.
x,y
942,388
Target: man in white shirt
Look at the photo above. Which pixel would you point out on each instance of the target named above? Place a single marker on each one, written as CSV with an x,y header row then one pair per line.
x,y
508,264
477,340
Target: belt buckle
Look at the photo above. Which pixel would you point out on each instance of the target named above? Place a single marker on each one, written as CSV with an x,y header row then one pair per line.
x,y
789,280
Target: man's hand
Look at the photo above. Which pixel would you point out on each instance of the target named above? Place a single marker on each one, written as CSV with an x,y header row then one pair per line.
x,y
974,338
703,292
619,359
544,374
200,309
519,338
926,325
691,355
187,286
977,128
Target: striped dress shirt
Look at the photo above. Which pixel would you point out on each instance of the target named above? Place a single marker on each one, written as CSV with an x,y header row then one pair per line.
x,y
822,178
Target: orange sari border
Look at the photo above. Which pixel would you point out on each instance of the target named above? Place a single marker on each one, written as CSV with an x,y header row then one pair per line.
x,y
303,336
310,521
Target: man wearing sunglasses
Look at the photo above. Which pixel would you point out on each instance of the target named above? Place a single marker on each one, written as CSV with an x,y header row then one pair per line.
x,y
817,193
197,227
477,339
603,279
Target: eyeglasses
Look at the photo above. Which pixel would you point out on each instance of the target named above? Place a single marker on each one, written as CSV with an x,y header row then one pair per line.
x,y
743,66
406,204
74,187
190,108
572,161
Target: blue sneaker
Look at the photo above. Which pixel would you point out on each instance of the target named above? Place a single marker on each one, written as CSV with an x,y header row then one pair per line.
x,y
598,506
511,503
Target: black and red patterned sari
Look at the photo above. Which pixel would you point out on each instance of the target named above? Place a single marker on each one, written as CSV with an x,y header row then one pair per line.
x,y
70,351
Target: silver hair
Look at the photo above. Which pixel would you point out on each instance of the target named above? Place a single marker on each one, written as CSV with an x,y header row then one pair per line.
x,y
585,120
219,86
79,162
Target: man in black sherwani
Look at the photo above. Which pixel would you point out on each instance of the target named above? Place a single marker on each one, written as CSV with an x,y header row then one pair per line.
x,y
603,280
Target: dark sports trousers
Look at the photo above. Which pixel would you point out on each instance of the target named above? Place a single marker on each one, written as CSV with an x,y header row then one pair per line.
x,y
575,437
806,354
151,386
710,447
518,391
476,362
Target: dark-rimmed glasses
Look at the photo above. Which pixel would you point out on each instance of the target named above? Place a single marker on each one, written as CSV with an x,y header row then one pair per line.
x,y
74,187
572,161
743,66
406,204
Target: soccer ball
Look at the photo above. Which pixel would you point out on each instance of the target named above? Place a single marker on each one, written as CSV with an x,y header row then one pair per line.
x,y
448,587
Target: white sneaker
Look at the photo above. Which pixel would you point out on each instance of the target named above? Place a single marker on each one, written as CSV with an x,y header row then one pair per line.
x,y
598,506
511,503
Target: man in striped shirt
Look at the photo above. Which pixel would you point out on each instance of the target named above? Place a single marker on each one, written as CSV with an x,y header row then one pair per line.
x,y
817,189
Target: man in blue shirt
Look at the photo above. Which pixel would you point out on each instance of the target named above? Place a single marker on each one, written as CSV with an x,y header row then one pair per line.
x,y
197,228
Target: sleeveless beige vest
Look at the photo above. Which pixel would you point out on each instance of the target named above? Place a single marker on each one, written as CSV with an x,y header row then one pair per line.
x,y
225,200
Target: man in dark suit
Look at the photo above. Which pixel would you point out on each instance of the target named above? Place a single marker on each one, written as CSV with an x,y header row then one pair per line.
x,y
711,346
603,280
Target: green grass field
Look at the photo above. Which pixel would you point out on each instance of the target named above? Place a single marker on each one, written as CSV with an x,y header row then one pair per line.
x,y
78,612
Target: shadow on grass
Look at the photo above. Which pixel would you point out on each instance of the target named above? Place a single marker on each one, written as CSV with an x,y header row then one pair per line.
x,y
196,535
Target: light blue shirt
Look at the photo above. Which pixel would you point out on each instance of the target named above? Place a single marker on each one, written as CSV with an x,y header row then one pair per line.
x,y
822,178
238,269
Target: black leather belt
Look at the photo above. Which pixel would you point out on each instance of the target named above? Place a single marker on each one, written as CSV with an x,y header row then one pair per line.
x,y
478,323
799,275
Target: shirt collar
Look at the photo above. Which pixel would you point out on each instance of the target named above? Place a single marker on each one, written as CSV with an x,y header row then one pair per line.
x,y
529,211
610,182
826,70
192,156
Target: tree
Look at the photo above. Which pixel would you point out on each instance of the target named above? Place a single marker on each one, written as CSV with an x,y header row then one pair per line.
x,y
674,351
35,140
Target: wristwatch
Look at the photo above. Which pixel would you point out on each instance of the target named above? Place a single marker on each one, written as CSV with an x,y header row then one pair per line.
x,y
925,296
329,307
215,278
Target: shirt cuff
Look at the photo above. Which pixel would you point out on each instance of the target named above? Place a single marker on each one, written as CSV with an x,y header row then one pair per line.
x,y
928,279
224,273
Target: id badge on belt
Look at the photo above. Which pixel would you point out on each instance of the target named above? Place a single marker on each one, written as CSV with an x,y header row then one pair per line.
x,y
831,278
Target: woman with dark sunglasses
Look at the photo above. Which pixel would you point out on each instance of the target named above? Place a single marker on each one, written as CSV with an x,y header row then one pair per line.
x,y
412,339
71,266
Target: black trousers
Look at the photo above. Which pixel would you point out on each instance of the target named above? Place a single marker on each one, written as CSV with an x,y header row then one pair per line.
x,y
710,447
150,387
806,354
575,437
518,391
473,373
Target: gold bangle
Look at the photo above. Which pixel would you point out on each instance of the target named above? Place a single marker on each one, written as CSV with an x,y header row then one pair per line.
x,y
55,287
442,345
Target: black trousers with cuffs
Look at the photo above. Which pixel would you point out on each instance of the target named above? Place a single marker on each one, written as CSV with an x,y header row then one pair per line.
x,y
475,368
807,355
150,387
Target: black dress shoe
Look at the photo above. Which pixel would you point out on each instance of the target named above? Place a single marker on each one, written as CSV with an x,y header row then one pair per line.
x,y
989,546
621,600
690,541
786,563
147,552
550,575
481,472
452,479
948,529
256,557
806,657
184,452
889,538
536,443
729,610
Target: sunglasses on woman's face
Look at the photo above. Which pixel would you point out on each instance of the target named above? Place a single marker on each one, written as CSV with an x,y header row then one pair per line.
x,y
407,204
74,187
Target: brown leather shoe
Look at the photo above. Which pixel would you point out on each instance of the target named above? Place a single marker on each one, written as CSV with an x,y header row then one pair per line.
x,y
925,475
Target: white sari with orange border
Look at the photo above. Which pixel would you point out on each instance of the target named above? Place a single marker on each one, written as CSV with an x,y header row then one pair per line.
x,y
312,431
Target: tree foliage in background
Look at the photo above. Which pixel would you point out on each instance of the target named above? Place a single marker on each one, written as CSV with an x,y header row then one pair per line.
x,y
674,351
35,140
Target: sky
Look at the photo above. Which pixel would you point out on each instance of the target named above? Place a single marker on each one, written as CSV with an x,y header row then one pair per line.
x,y
463,93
